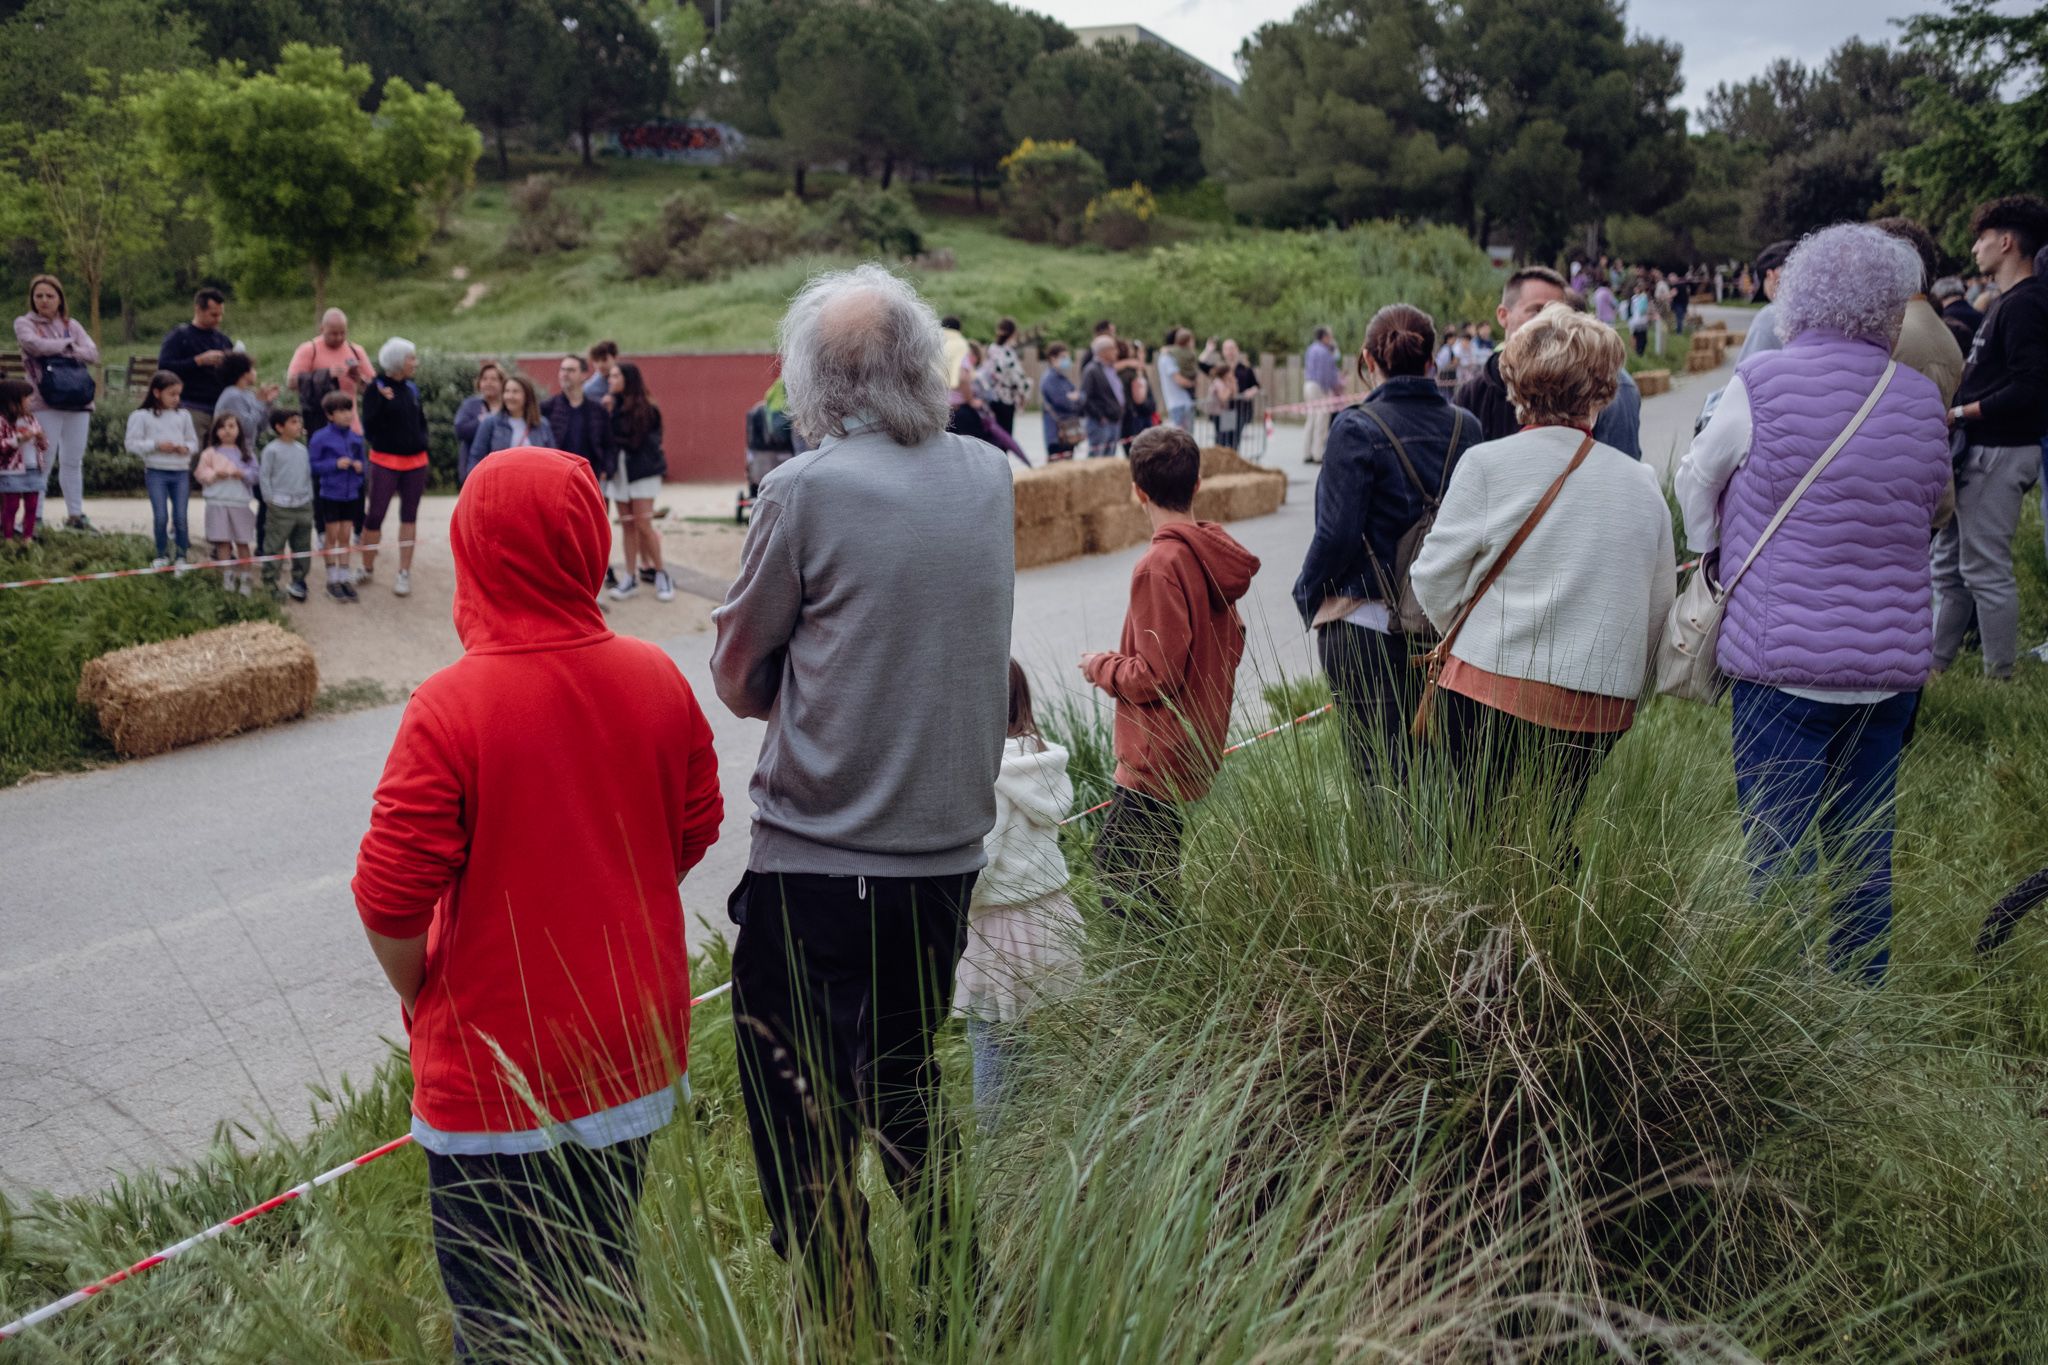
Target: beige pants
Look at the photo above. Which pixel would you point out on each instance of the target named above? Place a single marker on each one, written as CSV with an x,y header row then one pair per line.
x,y
1318,422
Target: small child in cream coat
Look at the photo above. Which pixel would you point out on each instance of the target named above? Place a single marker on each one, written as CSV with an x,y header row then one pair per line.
x,y
1022,928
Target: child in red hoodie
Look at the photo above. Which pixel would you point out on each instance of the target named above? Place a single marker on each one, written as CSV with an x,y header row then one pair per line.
x,y
1173,676
544,796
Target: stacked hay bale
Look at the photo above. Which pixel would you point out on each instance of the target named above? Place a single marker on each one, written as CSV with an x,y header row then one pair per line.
x,y
1233,488
1085,506
1047,530
1709,346
153,698
1653,382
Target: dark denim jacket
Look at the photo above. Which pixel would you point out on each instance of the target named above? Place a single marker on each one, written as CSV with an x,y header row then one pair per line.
x,y
1364,498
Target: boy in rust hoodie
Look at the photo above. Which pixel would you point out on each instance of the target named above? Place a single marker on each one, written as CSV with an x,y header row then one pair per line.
x,y
1173,675
545,794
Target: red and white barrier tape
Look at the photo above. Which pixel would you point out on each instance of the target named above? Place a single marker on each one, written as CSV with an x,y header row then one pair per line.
x,y
1332,403
101,577
100,1286
276,1201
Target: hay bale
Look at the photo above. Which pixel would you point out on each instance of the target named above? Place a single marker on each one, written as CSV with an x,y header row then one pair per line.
x,y
1654,382
1701,362
153,698
1044,495
1736,339
1236,497
1048,543
1098,483
1220,460
1115,527
1715,326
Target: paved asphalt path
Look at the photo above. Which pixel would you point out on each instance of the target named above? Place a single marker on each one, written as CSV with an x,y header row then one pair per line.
x,y
188,953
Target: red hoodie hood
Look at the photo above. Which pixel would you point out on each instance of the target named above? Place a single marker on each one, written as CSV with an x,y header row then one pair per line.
x,y
1228,564
530,540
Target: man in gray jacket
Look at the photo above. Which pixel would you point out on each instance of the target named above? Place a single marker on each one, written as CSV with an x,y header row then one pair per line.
x,y
870,627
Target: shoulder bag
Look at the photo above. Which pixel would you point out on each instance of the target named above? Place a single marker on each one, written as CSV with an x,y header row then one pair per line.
x,y
1686,655
1435,660
1398,591
66,384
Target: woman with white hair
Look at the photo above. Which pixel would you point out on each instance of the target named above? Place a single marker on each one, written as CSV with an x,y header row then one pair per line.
x,y
1550,572
395,430
1828,631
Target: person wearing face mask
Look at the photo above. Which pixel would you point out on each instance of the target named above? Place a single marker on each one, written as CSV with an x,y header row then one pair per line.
x,y
1060,403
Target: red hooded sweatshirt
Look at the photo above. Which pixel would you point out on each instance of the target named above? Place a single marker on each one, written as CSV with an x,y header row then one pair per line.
x,y
543,798
1175,672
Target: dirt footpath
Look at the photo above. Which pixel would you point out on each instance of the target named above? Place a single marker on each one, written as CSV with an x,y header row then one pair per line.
x,y
395,642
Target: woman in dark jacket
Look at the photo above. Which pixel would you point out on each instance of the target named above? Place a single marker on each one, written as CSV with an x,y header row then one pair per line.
x,y
636,482
395,430
1366,501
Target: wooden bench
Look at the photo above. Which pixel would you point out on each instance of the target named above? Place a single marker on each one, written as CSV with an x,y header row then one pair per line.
x,y
11,366
141,368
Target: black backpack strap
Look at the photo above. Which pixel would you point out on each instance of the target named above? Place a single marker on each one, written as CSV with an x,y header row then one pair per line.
x,y
1450,452
1400,451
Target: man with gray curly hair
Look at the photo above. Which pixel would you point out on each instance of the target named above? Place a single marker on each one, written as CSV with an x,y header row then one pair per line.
x,y
870,627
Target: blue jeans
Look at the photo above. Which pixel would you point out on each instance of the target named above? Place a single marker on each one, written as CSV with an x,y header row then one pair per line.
x,y
1810,772
994,1047
170,491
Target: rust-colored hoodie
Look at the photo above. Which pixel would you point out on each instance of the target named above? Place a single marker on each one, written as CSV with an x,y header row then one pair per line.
x,y
1175,671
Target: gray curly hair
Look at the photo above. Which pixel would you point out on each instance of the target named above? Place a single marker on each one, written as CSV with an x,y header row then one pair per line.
x,y
1851,278
861,344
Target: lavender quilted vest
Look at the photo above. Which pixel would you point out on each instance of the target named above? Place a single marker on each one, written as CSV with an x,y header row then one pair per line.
x,y
1840,596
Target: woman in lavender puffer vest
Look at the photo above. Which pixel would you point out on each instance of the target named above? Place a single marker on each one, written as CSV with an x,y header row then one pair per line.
x,y
1829,636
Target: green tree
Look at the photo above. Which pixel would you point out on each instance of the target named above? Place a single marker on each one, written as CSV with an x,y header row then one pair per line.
x,y
681,31
51,45
1085,96
1337,121
870,88
91,193
617,68
1183,92
1569,64
746,50
976,40
1970,149
504,60
297,174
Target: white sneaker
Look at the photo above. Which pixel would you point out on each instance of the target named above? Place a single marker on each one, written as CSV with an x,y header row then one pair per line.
x,y
664,586
401,586
625,589
247,586
160,562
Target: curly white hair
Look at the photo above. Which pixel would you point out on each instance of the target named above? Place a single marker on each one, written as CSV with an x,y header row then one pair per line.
x,y
1850,278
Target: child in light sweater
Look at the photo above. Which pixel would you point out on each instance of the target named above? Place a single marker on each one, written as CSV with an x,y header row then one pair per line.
x,y
1022,928
228,477
24,461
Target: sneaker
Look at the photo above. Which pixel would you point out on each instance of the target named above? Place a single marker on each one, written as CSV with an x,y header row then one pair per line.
x,y
401,586
160,562
611,576
297,591
246,587
2040,652
358,576
664,586
625,590
349,594
183,562
337,590
77,523
647,575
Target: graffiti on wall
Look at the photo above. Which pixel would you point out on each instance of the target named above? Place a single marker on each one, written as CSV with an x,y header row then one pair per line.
x,y
688,140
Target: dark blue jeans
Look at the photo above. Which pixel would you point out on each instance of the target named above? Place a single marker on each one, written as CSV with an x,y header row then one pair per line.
x,y
170,494
1817,780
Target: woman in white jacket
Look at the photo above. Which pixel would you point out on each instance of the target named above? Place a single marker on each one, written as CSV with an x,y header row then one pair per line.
x,y
1023,929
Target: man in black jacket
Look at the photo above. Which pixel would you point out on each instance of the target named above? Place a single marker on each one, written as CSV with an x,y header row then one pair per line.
x,y
1962,320
193,351
2001,409
1485,395
1102,398
580,426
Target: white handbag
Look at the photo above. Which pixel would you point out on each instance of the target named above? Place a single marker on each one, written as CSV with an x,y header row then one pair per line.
x,y
1686,662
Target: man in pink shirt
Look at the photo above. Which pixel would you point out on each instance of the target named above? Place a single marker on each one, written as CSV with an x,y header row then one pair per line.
x,y
332,354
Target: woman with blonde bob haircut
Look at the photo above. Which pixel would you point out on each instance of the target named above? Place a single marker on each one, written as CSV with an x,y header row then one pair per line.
x,y
1550,571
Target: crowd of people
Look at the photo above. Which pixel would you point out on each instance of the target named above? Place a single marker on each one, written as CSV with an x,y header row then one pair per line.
x,y
274,476
904,858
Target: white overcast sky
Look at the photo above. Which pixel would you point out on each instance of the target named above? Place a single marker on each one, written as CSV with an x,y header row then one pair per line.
x,y
1726,40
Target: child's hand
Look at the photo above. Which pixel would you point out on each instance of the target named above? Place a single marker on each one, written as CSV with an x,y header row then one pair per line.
x,y
1089,663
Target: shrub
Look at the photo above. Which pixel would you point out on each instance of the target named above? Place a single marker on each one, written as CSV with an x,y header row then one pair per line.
x,y
1047,187
544,221
1122,219
444,380
1269,290
863,218
109,468
645,251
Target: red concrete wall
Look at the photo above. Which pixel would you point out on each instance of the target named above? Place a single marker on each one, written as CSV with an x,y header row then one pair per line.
x,y
703,401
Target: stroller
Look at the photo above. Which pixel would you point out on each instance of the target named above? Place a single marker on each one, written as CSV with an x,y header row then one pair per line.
x,y
771,440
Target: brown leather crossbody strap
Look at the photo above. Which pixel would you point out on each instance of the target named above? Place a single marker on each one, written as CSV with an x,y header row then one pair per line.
x,y
1443,648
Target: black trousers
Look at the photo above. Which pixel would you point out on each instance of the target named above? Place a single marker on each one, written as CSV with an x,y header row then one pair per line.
x,y
541,1249
1377,690
1137,855
839,984
1491,752
1005,415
